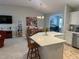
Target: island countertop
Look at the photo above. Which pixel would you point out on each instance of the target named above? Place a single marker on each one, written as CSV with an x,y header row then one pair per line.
x,y
46,40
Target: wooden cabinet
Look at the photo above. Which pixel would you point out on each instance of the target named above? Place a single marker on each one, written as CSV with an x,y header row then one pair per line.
x,y
4,35
8,34
2,38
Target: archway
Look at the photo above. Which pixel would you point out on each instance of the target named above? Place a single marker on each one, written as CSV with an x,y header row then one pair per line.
x,y
56,22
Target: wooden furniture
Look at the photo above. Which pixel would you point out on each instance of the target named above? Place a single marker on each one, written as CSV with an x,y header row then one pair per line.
x,y
33,52
4,35
2,38
8,34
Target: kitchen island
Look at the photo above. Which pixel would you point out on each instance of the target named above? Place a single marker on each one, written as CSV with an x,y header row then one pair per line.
x,y
51,47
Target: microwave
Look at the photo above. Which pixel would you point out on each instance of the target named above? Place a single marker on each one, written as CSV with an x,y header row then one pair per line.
x,y
74,28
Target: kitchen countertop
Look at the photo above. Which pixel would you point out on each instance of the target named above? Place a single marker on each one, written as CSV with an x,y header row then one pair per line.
x,y
76,32
5,30
45,40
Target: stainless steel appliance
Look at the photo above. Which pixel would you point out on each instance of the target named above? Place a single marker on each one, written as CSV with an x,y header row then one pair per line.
x,y
74,28
75,40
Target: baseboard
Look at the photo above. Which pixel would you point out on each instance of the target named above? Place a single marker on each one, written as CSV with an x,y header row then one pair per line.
x,y
68,44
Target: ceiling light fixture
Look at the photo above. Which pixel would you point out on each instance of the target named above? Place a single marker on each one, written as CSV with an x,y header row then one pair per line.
x,y
40,17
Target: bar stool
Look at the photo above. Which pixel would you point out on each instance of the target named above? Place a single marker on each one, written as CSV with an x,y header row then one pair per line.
x,y
33,52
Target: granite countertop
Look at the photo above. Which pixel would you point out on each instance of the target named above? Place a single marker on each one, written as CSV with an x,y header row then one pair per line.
x,y
45,40
5,30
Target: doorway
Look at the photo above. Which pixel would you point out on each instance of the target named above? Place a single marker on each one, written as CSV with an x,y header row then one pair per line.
x,y
56,23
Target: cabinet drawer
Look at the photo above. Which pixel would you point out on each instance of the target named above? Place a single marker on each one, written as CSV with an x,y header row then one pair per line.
x,y
8,34
2,35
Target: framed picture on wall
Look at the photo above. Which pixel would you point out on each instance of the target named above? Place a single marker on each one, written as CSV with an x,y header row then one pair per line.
x,y
31,21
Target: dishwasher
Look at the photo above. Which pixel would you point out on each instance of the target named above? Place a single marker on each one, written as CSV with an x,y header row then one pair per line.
x,y
75,40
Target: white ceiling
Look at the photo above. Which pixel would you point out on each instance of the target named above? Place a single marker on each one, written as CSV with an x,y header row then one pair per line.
x,y
46,6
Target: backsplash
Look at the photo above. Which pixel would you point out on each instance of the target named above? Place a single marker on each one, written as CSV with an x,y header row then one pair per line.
x,y
7,27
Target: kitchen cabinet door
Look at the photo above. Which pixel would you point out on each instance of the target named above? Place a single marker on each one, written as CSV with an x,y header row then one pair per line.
x,y
74,17
8,34
2,38
2,34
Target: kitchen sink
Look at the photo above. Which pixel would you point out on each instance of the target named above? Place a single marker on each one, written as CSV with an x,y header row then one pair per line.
x,y
60,36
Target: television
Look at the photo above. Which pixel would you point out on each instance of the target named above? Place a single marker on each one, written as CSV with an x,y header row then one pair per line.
x,y
5,19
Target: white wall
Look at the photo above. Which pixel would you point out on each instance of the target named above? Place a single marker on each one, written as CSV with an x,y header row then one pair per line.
x,y
67,34
19,13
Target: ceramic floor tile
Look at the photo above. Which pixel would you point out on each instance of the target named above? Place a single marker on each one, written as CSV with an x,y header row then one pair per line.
x,y
15,48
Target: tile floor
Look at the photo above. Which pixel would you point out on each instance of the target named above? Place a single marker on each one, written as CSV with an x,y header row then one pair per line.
x,y
16,48
70,52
